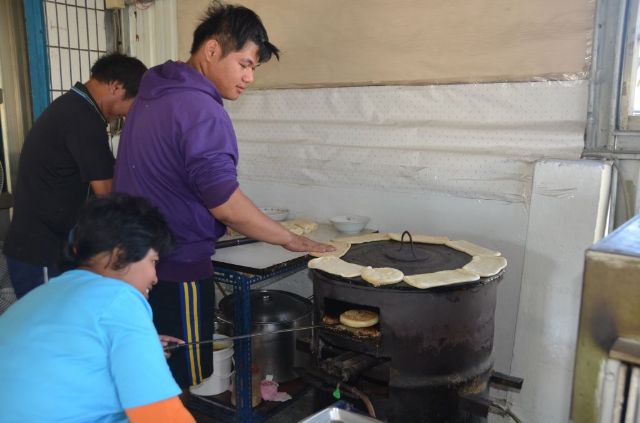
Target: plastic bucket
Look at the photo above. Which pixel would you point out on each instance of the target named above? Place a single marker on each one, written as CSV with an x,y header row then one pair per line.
x,y
222,356
219,381
213,385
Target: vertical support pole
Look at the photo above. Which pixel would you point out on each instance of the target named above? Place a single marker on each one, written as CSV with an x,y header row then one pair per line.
x,y
242,317
38,56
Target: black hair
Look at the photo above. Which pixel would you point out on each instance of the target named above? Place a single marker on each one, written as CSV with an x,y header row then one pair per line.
x,y
120,221
233,26
121,68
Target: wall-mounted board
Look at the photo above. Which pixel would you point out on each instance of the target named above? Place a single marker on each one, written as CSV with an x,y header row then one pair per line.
x,y
381,42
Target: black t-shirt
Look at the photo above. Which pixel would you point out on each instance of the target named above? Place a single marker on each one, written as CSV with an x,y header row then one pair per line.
x,y
66,148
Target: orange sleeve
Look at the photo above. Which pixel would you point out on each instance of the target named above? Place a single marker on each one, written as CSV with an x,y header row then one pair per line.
x,y
170,410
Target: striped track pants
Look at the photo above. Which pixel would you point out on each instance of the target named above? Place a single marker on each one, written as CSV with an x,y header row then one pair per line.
x,y
186,310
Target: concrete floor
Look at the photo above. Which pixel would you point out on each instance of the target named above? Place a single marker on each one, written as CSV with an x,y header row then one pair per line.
x,y
299,409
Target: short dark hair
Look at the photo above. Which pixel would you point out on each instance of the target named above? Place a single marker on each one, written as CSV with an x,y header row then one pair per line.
x,y
120,221
122,68
232,26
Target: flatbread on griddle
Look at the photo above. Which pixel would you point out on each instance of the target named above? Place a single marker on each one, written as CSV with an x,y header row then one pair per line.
x,y
341,250
442,278
471,248
486,266
336,266
378,276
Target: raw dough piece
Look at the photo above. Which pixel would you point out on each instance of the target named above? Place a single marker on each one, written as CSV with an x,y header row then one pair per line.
x,y
471,248
341,250
359,239
486,266
292,227
445,277
378,276
307,226
359,318
336,266
422,239
233,233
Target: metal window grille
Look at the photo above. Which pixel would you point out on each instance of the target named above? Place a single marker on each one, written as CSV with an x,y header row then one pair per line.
x,y
76,38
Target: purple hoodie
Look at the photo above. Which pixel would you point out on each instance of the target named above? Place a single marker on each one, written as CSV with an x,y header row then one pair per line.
x,y
179,150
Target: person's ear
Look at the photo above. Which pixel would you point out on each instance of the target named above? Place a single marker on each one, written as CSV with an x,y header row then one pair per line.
x,y
111,87
115,86
211,49
115,257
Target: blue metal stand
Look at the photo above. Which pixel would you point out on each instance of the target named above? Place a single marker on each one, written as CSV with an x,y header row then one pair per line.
x,y
241,283
38,55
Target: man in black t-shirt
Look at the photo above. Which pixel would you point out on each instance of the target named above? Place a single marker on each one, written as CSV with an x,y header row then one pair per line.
x,y
65,154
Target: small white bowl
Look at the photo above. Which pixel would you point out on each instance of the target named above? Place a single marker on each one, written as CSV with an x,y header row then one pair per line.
x,y
274,213
349,224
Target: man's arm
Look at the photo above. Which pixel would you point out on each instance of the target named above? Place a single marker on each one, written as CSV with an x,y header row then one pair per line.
x,y
102,187
241,215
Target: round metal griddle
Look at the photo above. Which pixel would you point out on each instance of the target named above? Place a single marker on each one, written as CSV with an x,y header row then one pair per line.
x,y
431,258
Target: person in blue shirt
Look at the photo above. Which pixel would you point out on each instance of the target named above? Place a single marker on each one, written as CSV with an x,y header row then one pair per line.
x,y
82,347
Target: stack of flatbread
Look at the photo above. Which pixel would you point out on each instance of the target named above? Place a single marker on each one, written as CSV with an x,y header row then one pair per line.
x,y
358,323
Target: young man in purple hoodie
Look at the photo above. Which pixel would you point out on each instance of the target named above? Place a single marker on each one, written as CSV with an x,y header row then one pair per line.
x,y
179,150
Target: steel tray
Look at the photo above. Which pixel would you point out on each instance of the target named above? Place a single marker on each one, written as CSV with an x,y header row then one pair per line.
x,y
338,415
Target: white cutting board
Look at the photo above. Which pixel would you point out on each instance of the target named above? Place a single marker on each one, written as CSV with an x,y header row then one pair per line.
x,y
260,255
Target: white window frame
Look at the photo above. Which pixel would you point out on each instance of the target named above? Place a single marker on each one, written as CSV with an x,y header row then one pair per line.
x,y
627,119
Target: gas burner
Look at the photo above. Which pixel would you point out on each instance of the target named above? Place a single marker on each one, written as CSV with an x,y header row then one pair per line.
x,y
406,252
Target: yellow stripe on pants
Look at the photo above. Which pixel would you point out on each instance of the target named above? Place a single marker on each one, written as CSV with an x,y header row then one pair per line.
x,y
196,319
189,339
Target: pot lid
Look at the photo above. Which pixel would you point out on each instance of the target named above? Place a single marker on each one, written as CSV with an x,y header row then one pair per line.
x,y
270,306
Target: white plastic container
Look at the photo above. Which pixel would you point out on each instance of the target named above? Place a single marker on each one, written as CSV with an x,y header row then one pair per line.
x,y
349,224
219,381
222,356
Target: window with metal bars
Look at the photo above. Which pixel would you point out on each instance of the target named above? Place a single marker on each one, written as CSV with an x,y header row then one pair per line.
x,y
75,39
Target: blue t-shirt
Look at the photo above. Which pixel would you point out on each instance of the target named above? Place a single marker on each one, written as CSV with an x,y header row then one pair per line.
x,y
81,348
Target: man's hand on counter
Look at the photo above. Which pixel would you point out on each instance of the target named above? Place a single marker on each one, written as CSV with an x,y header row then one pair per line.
x,y
240,214
300,243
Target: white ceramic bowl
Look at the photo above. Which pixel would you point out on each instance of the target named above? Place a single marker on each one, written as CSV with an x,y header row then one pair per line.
x,y
275,213
349,224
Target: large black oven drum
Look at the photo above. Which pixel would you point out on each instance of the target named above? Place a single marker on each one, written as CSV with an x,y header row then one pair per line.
x,y
438,341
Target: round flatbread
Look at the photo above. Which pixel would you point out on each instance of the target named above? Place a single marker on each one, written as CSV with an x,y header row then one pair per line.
x,y
341,250
471,248
486,266
378,276
336,266
442,278
359,318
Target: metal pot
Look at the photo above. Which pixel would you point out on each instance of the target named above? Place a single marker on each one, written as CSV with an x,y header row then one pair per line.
x,y
273,310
